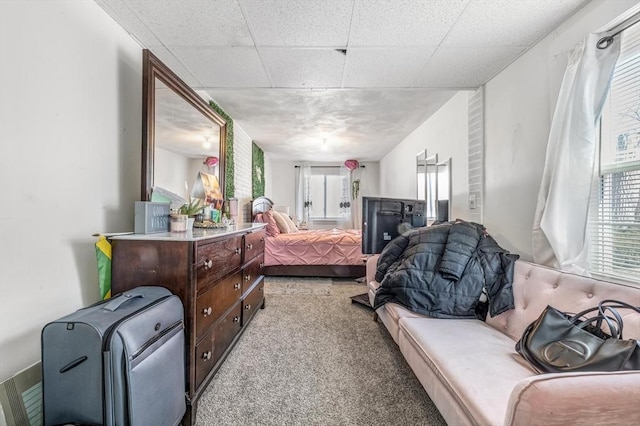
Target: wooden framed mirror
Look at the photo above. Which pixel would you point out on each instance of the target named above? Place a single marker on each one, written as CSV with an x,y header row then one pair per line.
x,y
181,134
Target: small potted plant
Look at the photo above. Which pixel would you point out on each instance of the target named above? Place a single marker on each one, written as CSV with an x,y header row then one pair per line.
x,y
192,208
189,211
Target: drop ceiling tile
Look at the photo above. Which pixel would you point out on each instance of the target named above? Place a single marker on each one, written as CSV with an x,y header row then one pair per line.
x,y
224,66
385,67
292,67
508,22
129,21
176,66
402,22
299,23
465,67
195,22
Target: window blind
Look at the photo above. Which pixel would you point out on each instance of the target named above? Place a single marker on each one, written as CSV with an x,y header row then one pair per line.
x,y
615,209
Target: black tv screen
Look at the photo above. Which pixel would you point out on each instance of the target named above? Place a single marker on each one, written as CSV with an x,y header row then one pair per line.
x,y
383,219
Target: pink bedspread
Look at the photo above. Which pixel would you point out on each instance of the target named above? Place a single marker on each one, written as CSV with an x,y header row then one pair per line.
x,y
316,247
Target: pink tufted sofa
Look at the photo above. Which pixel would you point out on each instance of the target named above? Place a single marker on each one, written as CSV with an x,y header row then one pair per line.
x,y
473,374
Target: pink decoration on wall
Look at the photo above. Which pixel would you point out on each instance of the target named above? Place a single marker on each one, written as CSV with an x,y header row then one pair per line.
x,y
210,161
351,164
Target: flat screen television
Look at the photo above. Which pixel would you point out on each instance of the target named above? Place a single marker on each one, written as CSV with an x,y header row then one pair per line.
x,y
383,219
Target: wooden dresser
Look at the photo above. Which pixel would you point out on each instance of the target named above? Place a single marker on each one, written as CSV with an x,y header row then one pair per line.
x,y
217,273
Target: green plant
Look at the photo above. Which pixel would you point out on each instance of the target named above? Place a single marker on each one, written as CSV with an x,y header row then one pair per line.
x,y
229,180
192,208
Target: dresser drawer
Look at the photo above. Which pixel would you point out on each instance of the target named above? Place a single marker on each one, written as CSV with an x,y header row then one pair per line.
x,y
253,245
211,348
204,357
251,272
226,330
252,301
217,259
216,301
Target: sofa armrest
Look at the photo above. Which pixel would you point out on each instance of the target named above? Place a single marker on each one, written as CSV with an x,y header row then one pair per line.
x,y
372,262
576,398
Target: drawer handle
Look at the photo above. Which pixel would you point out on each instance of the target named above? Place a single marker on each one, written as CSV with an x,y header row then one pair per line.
x,y
207,311
236,319
236,286
249,246
247,307
247,277
238,250
206,356
208,264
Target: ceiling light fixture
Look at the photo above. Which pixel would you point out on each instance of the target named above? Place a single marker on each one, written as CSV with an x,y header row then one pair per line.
x,y
206,144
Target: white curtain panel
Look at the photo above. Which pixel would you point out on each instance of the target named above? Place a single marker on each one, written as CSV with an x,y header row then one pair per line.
x,y
560,224
302,192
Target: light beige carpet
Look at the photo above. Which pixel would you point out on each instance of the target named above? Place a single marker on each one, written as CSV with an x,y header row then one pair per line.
x,y
314,358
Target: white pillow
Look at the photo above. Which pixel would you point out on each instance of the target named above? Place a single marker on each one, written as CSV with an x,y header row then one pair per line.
x,y
292,226
283,226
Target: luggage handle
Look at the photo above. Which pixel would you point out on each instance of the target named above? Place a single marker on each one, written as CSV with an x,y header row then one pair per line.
x,y
116,302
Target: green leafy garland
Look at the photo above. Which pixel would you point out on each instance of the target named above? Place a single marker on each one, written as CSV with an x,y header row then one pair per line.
x,y
229,184
257,167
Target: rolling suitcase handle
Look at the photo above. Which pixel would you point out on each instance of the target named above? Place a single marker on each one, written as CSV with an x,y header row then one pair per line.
x,y
118,301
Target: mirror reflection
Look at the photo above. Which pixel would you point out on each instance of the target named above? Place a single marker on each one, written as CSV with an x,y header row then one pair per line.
x,y
187,145
183,140
433,182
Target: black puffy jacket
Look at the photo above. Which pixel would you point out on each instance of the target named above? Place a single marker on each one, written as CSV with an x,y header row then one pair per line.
x,y
441,271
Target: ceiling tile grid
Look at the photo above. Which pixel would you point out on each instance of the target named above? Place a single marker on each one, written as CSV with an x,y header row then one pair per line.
x,y
225,66
403,22
291,68
381,67
298,23
508,23
273,65
465,67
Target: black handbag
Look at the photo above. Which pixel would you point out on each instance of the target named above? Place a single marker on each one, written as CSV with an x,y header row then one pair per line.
x,y
558,342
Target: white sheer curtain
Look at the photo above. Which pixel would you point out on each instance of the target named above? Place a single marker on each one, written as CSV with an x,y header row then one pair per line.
x,y
560,223
303,174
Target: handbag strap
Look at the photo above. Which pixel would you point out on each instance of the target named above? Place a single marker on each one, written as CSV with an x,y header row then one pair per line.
x,y
610,306
606,312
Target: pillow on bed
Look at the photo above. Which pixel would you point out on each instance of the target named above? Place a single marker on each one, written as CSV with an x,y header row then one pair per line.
x,y
283,226
272,229
292,226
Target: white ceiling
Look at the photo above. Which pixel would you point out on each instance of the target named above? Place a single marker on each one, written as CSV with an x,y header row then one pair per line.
x,y
276,68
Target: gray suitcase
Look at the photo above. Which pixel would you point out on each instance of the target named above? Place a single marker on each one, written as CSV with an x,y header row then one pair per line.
x,y
118,362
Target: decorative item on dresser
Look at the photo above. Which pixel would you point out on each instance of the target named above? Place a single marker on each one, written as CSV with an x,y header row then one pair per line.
x,y
218,275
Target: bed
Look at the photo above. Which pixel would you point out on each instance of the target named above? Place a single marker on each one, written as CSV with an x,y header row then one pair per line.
x,y
289,251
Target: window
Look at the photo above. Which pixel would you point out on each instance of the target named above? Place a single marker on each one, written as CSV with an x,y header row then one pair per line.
x,y
328,193
615,211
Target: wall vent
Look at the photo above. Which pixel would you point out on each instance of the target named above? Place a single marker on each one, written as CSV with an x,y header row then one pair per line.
x,y
21,397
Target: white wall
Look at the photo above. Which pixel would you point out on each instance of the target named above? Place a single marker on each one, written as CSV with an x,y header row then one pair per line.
x,y
70,138
444,133
519,104
282,183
